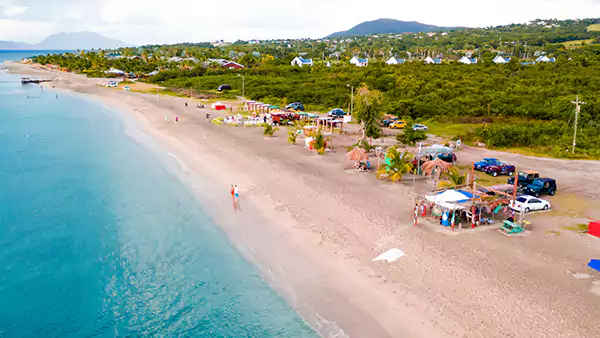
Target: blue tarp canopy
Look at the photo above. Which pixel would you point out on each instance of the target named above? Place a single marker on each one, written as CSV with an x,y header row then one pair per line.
x,y
594,264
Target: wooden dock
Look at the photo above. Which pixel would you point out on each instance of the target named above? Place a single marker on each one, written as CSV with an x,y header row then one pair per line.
x,y
26,80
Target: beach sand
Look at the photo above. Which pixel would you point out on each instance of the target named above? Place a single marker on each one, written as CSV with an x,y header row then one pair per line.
x,y
313,228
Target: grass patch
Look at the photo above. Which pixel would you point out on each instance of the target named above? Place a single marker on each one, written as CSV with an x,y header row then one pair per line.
x,y
577,228
594,28
577,43
447,130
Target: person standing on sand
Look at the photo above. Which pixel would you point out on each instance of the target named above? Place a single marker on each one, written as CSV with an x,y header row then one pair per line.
x,y
236,194
166,120
176,119
186,104
232,190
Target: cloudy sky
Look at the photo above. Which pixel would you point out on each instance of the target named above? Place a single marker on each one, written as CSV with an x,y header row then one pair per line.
x,y
169,21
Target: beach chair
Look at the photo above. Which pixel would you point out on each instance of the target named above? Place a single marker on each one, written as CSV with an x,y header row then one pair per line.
x,y
510,228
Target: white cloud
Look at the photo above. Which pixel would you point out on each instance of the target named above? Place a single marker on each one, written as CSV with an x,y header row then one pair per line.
x,y
160,21
11,11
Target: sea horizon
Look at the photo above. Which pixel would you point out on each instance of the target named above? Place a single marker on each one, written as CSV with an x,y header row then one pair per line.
x,y
100,238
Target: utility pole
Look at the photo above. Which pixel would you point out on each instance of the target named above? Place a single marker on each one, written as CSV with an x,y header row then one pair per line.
x,y
351,98
577,110
243,83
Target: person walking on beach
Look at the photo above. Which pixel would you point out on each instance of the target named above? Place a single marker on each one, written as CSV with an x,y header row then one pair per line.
x,y
232,190
166,120
186,104
208,117
176,119
236,196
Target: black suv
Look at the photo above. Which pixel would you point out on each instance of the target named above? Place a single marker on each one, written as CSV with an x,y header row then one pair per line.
x,y
295,106
224,87
541,186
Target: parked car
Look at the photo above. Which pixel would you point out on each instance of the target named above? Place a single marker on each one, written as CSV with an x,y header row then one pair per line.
x,y
486,162
420,127
398,125
295,106
337,112
224,87
529,203
387,122
541,186
499,169
526,177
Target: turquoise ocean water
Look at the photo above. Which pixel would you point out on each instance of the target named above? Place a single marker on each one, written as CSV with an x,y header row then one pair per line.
x,y
97,238
17,55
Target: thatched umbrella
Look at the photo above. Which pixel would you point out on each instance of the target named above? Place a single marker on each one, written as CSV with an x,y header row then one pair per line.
x,y
357,155
438,166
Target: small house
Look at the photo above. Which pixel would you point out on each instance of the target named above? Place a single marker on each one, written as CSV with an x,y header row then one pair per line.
x,y
359,62
467,61
299,61
232,65
500,59
545,58
394,61
429,60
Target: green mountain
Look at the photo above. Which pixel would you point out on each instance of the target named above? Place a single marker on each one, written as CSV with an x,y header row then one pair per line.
x,y
383,26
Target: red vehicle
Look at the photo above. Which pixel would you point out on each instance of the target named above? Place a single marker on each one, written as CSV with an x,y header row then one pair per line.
x,y
500,169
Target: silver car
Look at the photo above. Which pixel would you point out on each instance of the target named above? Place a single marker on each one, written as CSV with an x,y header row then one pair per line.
x,y
419,127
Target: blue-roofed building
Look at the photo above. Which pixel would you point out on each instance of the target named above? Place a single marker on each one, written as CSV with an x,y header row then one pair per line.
x,y
467,61
501,60
429,60
299,61
545,58
359,62
394,61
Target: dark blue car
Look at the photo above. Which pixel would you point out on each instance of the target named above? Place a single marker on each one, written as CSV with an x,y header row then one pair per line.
x,y
486,162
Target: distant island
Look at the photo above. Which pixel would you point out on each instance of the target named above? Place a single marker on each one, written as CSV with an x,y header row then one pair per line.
x,y
382,26
66,41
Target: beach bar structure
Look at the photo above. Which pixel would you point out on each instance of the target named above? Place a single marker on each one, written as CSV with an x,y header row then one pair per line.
x,y
327,124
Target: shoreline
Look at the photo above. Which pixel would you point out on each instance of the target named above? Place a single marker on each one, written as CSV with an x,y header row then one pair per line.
x,y
269,260
315,230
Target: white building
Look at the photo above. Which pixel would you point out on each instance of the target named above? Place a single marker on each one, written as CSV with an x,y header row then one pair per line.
x,y
394,61
467,61
299,61
545,58
429,60
359,62
500,59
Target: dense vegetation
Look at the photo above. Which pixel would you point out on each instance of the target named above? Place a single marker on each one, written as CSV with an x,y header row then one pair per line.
x,y
522,106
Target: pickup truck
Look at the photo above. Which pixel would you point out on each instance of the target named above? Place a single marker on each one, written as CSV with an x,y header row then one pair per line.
x,y
486,162
499,169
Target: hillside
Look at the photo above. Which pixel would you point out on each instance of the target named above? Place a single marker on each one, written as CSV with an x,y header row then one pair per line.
x,y
66,41
382,26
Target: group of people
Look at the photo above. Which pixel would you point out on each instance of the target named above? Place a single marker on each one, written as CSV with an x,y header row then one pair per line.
x,y
363,166
167,119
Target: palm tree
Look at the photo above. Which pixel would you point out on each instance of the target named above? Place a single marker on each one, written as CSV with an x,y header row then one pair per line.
x,y
396,166
455,178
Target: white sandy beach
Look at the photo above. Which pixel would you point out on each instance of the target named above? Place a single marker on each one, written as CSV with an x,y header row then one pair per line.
x,y
313,230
